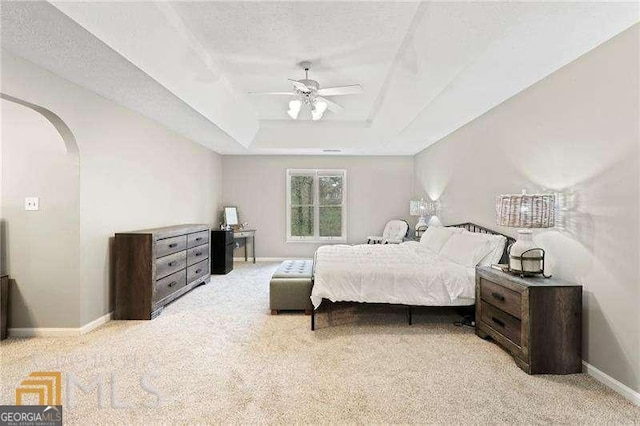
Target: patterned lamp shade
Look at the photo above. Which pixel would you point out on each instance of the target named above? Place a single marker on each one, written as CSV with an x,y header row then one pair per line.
x,y
421,208
526,211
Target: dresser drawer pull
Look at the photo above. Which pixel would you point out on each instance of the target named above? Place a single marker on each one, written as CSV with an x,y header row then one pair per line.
x,y
498,296
173,245
171,263
198,239
497,321
198,254
171,284
198,271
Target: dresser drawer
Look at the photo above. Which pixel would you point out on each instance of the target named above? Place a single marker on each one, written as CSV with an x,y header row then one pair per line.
x,y
502,322
198,270
170,284
169,264
197,239
197,254
170,245
503,298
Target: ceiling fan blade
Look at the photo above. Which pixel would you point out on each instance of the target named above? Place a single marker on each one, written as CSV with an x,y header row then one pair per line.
x,y
334,107
300,86
340,90
271,93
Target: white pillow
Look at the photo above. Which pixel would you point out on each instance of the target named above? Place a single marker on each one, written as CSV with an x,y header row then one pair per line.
x,y
435,237
465,250
497,250
497,243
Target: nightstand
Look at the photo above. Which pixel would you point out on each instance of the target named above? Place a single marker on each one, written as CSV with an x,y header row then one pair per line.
x,y
537,320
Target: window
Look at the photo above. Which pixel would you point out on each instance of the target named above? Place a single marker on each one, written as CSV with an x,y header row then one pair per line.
x,y
316,206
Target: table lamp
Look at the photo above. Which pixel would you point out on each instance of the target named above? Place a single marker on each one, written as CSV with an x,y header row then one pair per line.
x,y
419,208
526,211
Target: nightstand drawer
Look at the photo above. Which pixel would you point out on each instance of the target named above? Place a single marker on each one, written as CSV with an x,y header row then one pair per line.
x,y
503,323
503,298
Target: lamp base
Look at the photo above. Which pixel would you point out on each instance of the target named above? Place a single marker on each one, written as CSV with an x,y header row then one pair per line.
x,y
422,223
525,259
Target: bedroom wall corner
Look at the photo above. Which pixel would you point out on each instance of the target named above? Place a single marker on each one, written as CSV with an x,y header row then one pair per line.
x,y
575,133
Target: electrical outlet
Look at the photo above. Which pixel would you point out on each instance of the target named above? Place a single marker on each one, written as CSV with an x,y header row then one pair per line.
x,y
32,203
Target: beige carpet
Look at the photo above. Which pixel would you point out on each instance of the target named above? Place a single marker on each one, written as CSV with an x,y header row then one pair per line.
x,y
216,356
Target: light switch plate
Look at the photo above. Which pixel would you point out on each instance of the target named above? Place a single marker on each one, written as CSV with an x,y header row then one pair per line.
x,y
32,203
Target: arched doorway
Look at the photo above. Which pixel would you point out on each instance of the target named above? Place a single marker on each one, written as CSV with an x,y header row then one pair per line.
x,y
40,158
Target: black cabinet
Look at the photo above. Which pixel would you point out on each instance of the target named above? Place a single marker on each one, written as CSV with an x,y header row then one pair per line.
x,y
222,245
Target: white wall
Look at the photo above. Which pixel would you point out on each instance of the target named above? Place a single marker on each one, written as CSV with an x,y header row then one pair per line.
x,y
134,174
42,247
378,189
575,133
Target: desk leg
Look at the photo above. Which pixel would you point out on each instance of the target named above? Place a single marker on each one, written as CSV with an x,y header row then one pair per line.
x,y
253,248
246,240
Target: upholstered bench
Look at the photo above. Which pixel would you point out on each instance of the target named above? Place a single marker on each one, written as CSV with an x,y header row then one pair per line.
x,y
290,287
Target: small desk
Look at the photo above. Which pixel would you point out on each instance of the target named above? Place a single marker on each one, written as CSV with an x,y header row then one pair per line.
x,y
246,234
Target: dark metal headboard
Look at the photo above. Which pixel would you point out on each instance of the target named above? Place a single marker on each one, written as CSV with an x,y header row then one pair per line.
x,y
472,227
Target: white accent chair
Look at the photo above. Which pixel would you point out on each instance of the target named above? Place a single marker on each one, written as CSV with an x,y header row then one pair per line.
x,y
394,233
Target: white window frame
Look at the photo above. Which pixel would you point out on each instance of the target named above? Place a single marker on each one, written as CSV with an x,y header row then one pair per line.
x,y
316,173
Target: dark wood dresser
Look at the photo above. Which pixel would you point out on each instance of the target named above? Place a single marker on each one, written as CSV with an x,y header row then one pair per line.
x,y
537,320
153,267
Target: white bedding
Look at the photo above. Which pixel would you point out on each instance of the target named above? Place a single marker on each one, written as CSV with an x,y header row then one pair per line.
x,y
406,273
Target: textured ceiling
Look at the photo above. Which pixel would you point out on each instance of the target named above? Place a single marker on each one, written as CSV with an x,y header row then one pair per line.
x,y
258,45
427,68
40,33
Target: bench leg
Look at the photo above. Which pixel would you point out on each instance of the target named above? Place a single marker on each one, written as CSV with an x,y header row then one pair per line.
x,y
274,312
313,320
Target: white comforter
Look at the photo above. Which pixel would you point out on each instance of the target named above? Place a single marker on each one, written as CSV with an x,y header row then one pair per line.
x,y
406,273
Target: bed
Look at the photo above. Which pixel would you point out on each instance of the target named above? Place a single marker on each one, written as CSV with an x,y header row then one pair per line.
x,y
408,274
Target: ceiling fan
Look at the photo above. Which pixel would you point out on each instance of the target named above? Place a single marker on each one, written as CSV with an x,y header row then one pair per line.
x,y
309,93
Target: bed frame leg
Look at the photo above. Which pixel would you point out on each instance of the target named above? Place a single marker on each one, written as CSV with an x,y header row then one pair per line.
x,y
410,317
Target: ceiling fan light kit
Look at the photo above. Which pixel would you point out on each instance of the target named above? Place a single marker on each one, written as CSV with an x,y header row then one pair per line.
x,y
294,108
309,94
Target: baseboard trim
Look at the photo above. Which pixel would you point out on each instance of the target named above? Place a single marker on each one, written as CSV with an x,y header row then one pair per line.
x,y
611,383
270,259
96,323
43,332
60,332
